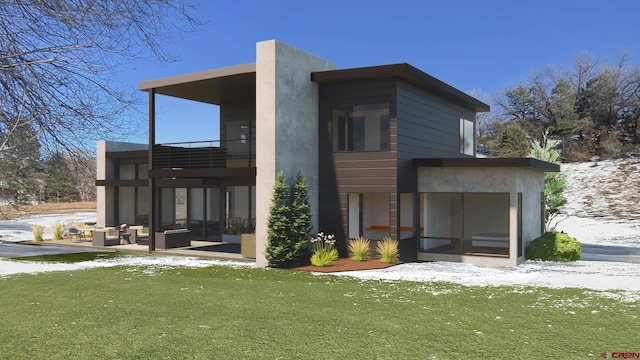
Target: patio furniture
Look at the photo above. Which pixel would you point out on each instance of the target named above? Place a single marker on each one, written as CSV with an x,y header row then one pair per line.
x,y
72,232
87,233
106,237
248,246
138,234
173,238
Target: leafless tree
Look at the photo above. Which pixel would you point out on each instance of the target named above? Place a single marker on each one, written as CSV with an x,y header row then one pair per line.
x,y
82,165
59,64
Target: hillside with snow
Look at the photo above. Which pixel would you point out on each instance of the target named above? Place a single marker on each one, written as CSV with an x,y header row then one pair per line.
x,y
603,204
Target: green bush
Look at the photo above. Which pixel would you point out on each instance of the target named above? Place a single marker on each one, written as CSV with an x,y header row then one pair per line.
x,y
554,246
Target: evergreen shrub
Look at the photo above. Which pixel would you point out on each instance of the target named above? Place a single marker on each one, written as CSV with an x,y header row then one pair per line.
x,y
554,246
289,223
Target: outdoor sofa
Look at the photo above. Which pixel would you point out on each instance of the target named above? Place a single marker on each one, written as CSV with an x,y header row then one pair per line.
x,y
173,238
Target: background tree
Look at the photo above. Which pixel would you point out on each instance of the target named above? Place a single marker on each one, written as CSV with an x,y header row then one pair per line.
x,y
554,183
20,162
82,165
59,63
508,140
593,108
60,183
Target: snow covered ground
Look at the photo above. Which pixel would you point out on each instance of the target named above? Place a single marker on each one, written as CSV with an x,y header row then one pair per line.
x,y
20,229
603,208
603,202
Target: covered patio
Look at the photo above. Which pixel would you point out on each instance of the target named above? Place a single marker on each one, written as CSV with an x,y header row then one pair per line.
x,y
480,210
206,187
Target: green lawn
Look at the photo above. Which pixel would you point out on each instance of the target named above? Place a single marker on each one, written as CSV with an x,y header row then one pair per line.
x,y
226,313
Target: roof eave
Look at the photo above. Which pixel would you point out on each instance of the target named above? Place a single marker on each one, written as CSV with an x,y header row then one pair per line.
x,y
530,163
407,73
197,76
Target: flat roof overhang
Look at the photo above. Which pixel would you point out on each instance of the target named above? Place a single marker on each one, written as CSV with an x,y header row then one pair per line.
x,y
216,86
122,182
404,72
129,154
203,173
530,163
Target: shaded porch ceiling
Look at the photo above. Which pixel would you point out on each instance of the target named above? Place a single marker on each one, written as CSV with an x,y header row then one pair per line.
x,y
217,86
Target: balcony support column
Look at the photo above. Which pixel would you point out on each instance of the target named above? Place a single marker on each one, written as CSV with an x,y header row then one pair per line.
x,y
153,201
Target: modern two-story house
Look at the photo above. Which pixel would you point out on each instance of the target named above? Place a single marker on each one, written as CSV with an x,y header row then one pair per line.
x,y
387,151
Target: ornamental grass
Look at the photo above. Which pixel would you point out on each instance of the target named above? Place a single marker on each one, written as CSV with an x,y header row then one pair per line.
x,y
38,231
359,248
58,230
388,250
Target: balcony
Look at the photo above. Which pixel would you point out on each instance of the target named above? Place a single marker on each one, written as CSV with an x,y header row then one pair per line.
x,y
231,153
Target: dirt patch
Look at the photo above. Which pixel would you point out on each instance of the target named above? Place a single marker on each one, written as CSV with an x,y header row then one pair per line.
x,y
347,264
11,212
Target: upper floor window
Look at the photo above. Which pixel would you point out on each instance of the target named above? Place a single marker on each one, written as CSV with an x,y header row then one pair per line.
x,y
361,128
127,171
466,137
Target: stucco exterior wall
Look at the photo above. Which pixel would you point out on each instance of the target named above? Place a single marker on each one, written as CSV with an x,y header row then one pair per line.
x,y
286,126
531,184
458,179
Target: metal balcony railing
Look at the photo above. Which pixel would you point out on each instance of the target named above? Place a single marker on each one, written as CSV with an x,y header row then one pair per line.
x,y
205,154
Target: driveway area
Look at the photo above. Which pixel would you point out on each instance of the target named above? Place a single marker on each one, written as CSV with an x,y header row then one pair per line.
x,y
613,253
20,250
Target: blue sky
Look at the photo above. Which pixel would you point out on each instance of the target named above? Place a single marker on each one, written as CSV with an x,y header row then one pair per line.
x,y
471,45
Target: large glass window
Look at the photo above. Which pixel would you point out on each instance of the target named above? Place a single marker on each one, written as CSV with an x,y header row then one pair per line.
x,y
213,213
142,208
143,171
441,222
196,211
465,223
369,215
181,207
166,209
466,137
127,171
239,135
361,128
240,209
520,244
126,205
406,216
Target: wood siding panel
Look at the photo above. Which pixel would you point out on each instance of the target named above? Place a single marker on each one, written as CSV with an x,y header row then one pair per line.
x,y
342,173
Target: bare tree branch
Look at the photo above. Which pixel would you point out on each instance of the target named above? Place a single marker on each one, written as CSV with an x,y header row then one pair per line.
x,y
59,59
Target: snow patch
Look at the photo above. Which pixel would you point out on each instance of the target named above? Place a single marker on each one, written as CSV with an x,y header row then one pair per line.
x,y
151,264
17,230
